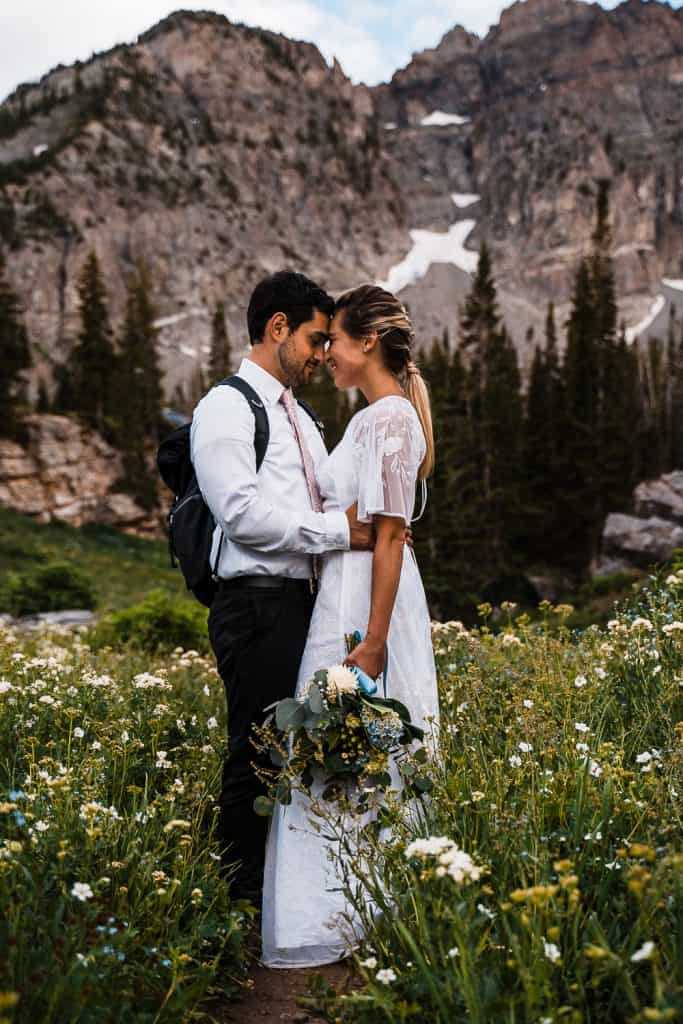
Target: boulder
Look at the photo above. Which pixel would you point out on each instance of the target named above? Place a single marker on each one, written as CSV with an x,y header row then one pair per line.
x,y
640,542
662,497
69,474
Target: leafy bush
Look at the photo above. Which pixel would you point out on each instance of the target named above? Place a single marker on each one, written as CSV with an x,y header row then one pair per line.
x,y
51,587
159,622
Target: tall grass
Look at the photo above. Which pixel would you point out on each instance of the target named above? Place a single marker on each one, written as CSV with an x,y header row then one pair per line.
x,y
112,907
560,776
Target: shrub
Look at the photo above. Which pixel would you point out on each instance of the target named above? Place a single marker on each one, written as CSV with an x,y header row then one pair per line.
x,y
51,587
159,622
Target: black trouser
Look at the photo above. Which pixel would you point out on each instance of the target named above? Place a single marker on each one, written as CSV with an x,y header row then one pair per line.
x,y
258,637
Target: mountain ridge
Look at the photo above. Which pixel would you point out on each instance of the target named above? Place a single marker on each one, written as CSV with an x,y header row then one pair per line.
x,y
220,152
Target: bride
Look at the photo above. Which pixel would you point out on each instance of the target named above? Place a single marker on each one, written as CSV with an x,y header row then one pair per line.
x,y
386,449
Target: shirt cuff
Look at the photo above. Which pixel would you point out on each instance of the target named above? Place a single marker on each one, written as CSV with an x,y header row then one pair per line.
x,y
339,534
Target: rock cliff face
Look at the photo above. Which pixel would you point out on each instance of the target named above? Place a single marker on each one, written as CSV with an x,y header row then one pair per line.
x,y
219,153
558,95
67,474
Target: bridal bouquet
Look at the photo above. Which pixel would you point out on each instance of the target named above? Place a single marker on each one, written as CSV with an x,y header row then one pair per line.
x,y
342,733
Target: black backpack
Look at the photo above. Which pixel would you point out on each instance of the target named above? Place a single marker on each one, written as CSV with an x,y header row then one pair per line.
x,y
190,523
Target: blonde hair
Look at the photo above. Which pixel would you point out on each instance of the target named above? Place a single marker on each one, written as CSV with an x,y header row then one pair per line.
x,y
370,309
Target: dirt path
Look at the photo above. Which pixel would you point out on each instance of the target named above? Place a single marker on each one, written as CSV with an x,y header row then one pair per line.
x,y
273,997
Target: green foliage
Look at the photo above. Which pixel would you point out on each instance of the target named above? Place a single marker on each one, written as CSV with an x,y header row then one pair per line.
x,y
121,568
51,587
16,357
558,774
138,391
220,358
113,905
88,385
159,622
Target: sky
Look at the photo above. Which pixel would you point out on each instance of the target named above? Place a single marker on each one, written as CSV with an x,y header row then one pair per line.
x,y
370,38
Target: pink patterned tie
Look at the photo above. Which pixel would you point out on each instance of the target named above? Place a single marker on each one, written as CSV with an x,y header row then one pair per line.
x,y
289,402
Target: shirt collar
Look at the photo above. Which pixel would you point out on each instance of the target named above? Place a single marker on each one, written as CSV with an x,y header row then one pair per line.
x,y
268,387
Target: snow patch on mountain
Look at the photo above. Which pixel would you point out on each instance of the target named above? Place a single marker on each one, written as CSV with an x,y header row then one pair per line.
x,y
439,119
655,309
433,247
168,321
463,199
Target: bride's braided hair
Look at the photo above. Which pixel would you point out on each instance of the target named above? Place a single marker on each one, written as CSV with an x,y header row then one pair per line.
x,y
368,310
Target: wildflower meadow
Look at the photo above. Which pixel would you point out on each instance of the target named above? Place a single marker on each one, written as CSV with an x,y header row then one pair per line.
x,y
111,904
539,880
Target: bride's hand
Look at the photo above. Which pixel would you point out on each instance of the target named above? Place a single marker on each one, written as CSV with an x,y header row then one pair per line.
x,y
368,657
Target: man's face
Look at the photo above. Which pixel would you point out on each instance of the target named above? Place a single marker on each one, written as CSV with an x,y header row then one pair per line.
x,y
303,350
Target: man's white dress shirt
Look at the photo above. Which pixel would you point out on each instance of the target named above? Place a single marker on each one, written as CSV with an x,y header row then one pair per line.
x,y
268,525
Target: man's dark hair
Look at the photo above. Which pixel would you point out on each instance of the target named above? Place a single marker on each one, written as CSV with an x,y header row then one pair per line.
x,y
286,292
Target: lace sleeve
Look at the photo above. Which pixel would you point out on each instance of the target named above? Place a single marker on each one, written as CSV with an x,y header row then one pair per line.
x,y
390,446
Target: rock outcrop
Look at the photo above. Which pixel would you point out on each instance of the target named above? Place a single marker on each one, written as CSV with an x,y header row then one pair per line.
x,y
68,474
652,533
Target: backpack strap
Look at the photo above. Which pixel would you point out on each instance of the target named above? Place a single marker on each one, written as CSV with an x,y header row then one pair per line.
x,y
261,425
261,436
314,416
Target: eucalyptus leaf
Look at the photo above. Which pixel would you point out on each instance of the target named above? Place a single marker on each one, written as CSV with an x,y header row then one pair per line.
x,y
263,806
315,700
290,715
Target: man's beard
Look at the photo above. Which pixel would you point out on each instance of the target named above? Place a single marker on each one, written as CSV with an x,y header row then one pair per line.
x,y
295,374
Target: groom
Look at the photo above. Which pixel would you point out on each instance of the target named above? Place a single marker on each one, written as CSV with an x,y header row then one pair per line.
x,y
274,534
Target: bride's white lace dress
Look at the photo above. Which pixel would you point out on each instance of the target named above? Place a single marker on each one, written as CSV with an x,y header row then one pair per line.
x,y
376,464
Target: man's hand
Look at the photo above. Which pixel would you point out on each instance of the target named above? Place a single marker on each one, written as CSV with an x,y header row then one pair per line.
x,y
362,535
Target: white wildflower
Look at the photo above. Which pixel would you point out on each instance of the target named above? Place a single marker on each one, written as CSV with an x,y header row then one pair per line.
x,y
386,976
580,681
430,847
78,733
526,748
211,723
82,891
515,760
370,963
551,951
644,953
452,953
581,727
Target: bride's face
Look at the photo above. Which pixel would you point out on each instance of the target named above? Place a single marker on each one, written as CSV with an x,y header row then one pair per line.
x,y
344,356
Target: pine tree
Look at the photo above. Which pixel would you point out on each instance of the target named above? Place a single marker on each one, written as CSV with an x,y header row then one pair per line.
x,y
139,391
88,382
220,358
15,357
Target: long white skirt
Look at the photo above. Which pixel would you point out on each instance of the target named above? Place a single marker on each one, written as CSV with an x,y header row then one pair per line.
x,y
306,919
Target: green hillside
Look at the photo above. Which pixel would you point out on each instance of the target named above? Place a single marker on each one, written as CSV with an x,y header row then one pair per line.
x,y
121,568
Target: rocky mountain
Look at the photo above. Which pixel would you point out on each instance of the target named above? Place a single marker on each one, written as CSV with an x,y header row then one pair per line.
x,y
558,95
218,153
214,152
